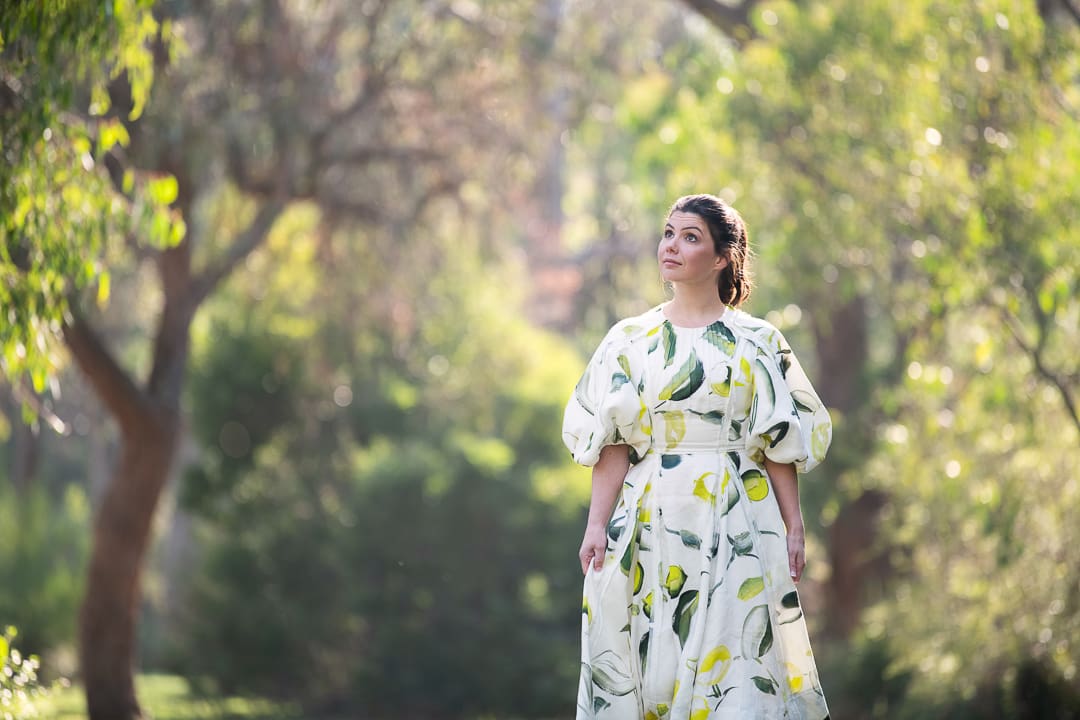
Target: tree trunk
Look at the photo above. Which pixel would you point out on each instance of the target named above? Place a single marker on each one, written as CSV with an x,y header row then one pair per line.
x,y
122,534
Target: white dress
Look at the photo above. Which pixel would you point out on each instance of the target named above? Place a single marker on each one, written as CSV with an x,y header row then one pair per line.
x,y
694,614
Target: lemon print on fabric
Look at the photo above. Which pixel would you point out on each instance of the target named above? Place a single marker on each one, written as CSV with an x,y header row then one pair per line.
x,y
701,491
697,585
676,578
757,486
715,665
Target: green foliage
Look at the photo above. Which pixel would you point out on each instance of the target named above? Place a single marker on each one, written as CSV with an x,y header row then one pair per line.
x,y
916,159
59,209
20,691
43,550
397,527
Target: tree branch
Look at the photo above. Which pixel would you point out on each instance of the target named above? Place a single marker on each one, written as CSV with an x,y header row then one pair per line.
x,y
114,386
1035,353
732,20
242,246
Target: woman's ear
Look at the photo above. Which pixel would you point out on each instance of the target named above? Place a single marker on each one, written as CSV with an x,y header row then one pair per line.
x,y
721,262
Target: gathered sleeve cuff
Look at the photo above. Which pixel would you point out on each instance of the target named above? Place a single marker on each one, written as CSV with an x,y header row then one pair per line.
x,y
788,421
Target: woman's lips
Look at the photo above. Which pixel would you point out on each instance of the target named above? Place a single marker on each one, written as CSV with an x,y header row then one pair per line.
x,y
671,262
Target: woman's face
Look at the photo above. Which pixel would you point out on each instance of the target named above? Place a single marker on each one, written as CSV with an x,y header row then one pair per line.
x,y
687,253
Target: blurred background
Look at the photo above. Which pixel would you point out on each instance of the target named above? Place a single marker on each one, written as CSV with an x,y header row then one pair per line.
x,y
292,295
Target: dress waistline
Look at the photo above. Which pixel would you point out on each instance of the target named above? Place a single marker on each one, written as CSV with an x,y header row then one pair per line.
x,y
689,448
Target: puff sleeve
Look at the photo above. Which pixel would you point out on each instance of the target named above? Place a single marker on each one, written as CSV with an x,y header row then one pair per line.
x,y
605,407
788,421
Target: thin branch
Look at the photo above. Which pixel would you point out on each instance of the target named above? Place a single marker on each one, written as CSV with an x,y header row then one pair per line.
x,y
1035,353
112,384
30,398
242,246
1072,9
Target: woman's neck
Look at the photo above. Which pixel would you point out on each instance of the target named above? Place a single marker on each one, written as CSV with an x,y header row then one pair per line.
x,y
694,305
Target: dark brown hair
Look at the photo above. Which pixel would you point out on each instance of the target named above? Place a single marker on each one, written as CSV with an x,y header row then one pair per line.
x,y
730,240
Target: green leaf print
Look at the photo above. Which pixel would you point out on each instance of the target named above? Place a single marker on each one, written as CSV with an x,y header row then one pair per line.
x,y
624,363
617,381
684,613
579,391
789,609
805,401
646,605
713,416
732,501
674,427
764,684
599,704
668,461
616,526
643,650
751,587
719,335
609,677
776,433
639,577
784,361
757,636
676,578
688,538
627,559
686,381
742,543
767,388
669,343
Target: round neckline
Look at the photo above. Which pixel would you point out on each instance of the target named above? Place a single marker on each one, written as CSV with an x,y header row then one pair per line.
x,y
661,309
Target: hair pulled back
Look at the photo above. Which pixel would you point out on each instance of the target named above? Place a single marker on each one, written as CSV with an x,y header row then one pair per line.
x,y
730,240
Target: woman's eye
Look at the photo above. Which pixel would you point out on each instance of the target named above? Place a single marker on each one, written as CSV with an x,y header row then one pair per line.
x,y
668,233
691,237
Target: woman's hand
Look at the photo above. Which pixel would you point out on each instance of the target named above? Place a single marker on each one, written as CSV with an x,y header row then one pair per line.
x,y
796,551
593,548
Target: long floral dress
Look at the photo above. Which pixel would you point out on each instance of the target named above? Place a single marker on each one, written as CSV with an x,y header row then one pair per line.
x,y
694,614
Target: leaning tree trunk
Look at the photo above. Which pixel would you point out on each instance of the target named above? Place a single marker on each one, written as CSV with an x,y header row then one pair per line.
x,y
149,420
122,532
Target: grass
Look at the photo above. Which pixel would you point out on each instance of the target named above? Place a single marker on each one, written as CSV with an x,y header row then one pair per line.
x,y
167,697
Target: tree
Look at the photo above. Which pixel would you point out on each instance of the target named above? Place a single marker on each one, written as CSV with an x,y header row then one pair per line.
x,y
366,111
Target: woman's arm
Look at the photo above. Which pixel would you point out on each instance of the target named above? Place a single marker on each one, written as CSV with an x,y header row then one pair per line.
x,y
785,482
607,480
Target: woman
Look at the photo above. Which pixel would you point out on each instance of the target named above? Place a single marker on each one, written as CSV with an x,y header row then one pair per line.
x,y
696,418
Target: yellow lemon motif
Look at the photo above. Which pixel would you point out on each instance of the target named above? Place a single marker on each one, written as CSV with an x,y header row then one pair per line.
x,y
639,576
703,492
676,578
646,605
819,441
757,487
650,715
796,682
718,656
702,714
662,709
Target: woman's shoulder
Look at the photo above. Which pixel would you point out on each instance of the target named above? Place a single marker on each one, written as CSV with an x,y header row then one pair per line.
x,y
631,330
758,330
